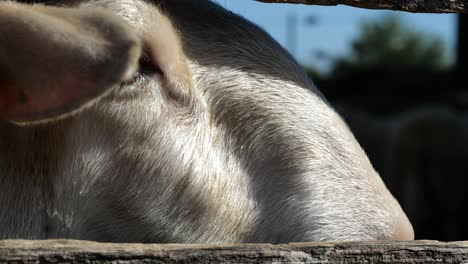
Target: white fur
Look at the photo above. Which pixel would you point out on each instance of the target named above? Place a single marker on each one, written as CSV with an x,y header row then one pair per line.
x,y
263,158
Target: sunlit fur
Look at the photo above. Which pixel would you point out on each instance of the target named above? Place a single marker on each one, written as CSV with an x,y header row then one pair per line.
x,y
257,156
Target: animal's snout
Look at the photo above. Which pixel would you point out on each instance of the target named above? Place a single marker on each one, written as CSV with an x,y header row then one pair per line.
x,y
403,227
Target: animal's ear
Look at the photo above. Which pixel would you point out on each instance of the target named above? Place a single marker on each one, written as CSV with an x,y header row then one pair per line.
x,y
163,49
55,60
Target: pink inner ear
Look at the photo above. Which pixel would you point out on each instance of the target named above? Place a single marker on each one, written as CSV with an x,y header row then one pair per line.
x,y
55,60
7,98
23,102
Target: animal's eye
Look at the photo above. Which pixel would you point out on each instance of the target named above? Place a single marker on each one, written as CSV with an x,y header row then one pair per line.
x,y
147,67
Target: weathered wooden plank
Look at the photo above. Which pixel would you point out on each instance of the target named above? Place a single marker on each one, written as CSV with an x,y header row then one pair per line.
x,y
54,251
417,6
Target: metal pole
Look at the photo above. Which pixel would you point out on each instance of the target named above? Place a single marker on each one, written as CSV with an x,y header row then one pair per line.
x,y
291,33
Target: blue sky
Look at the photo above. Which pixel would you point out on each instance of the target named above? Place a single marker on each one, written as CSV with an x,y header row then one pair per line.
x,y
336,27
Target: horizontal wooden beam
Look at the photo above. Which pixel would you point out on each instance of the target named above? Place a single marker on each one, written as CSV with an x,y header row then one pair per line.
x,y
54,251
416,6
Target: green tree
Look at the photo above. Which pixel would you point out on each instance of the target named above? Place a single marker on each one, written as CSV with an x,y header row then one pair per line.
x,y
313,73
391,44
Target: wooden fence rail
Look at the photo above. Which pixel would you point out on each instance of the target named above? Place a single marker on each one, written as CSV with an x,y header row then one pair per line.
x,y
72,251
417,6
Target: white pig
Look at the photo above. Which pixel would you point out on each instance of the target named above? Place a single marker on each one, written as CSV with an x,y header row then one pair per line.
x,y
218,137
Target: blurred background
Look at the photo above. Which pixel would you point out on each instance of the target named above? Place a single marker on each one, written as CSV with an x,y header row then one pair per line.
x,y
400,82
